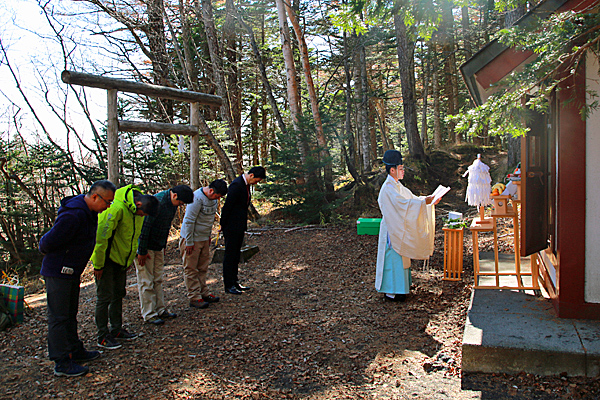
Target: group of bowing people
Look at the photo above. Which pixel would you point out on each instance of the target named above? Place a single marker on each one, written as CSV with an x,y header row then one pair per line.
x,y
116,228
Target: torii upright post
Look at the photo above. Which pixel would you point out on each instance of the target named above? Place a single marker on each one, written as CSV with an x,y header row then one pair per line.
x,y
195,147
112,137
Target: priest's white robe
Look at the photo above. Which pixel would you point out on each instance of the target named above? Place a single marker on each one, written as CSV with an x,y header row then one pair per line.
x,y
408,225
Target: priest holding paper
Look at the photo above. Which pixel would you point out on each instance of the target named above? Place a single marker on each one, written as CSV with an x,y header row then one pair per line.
x,y
407,230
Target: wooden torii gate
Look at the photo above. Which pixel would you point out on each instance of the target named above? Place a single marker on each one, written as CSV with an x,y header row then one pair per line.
x,y
114,125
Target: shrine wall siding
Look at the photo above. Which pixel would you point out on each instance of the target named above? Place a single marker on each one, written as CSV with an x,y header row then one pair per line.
x,y
592,225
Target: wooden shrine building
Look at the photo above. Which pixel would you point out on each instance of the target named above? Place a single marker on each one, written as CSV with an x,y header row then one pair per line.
x,y
560,171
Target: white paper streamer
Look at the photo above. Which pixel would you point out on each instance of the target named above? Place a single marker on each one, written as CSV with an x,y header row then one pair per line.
x,y
167,148
123,145
479,188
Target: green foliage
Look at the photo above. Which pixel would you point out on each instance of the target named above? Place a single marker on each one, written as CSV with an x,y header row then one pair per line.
x,y
294,185
49,175
351,19
560,43
506,5
455,223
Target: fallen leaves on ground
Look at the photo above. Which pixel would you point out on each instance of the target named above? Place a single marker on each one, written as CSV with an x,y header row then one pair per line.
x,y
312,327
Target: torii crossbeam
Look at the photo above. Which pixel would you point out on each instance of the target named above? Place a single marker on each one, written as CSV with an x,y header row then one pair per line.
x,y
114,125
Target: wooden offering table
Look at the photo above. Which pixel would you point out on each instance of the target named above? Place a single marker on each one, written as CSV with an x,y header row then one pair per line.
x,y
504,270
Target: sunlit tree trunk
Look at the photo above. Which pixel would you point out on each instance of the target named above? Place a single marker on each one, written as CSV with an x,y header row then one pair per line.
x,y
263,73
386,141
191,71
362,97
314,103
373,127
290,67
254,132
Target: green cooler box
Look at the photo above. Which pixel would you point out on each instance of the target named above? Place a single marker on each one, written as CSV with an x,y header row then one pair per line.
x,y
368,226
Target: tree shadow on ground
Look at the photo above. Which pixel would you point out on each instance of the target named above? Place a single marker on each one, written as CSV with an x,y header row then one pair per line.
x,y
312,326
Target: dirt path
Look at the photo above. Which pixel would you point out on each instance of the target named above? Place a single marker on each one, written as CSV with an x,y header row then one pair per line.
x,y
313,327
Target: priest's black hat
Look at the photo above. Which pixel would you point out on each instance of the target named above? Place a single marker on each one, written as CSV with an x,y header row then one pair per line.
x,y
392,157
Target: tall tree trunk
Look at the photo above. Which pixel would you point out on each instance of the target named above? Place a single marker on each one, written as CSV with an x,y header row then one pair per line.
x,y
435,87
265,140
454,91
426,69
218,78
191,72
448,47
292,86
350,155
268,138
362,96
314,103
386,141
466,28
373,126
263,75
254,133
489,8
407,80
230,39
155,31
513,144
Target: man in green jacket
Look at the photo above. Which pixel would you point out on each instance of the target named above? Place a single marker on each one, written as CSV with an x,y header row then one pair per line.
x,y
150,261
119,228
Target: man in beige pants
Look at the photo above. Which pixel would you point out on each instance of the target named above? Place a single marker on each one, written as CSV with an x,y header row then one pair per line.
x,y
150,260
195,240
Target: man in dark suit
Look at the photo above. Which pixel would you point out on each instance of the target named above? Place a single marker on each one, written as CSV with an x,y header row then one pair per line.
x,y
234,222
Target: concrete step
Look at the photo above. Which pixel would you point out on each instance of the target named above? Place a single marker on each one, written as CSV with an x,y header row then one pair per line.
x,y
513,331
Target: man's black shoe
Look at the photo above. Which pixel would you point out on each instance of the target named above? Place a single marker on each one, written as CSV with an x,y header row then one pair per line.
x,y
85,355
167,315
233,290
199,303
241,288
70,369
400,298
210,298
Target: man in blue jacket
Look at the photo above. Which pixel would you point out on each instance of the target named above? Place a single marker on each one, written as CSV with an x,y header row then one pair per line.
x,y
67,247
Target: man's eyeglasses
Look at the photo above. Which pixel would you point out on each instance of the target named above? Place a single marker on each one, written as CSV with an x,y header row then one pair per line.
x,y
108,203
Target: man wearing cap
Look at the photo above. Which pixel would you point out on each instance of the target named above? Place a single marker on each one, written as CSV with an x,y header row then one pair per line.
x,y
407,230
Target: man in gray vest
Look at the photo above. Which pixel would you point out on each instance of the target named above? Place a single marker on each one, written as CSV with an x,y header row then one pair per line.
x,y
195,240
